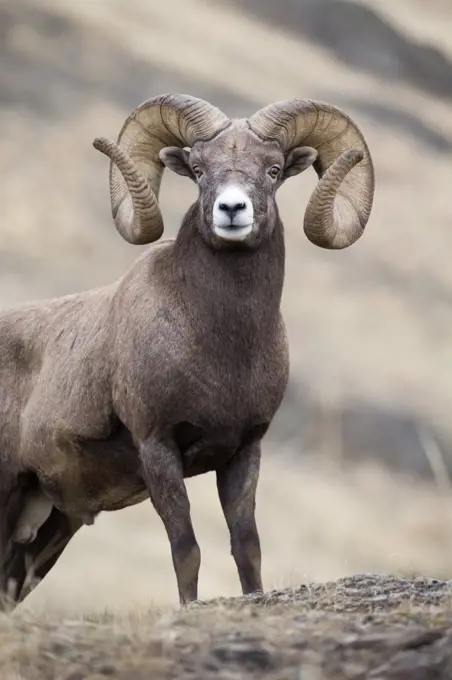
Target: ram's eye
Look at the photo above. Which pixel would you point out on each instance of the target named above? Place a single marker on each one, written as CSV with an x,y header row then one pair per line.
x,y
197,172
274,171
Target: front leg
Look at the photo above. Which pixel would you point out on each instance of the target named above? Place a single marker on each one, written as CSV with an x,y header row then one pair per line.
x,y
237,483
164,478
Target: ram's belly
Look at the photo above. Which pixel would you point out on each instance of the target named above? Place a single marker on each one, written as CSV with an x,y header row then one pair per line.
x,y
205,449
91,476
112,472
123,496
88,476
206,460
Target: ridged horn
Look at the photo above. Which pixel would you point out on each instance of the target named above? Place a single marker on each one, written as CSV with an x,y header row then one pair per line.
x,y
135,167
341,202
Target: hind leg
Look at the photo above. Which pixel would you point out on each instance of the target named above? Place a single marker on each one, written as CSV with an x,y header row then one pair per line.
x,y
30,563
22,565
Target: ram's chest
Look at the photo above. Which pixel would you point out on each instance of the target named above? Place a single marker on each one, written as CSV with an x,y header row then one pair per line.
x,y
229,392
220,379
222,407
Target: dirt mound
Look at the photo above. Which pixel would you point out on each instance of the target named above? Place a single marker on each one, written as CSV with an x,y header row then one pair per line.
x,y
360,627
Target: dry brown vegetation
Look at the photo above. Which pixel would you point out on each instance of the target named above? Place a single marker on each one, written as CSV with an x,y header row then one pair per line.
x,y
370,328
359,627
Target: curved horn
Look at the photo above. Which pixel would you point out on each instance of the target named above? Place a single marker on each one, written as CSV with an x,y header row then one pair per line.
x,y
136,169
340,205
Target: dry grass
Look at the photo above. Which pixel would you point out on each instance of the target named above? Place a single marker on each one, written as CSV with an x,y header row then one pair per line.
x,y
364,623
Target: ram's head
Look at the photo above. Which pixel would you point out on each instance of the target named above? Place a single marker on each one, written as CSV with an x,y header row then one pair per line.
x,y
238,165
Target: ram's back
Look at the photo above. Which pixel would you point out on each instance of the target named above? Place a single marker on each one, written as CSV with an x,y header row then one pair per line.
x,y
49,353
57,357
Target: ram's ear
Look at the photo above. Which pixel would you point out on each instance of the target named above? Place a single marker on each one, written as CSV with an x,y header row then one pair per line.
x,y
298,160
176,159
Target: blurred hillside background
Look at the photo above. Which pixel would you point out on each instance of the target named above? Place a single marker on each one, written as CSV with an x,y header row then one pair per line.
x,y
356,469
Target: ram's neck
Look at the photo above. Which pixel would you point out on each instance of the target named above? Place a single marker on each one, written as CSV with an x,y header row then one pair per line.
x,y
233,292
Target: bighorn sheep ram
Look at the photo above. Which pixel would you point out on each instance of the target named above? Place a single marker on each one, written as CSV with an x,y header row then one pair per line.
x,y
115,395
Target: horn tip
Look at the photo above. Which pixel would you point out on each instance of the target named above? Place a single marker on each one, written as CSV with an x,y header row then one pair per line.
x,y
355,154
101,143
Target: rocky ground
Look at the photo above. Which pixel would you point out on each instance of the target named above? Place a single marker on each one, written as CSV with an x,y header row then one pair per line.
x,y
358,627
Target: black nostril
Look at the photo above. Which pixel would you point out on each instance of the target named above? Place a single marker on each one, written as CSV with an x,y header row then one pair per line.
x,y
232,208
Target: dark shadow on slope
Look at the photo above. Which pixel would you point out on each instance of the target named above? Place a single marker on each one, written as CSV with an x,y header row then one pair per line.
x,y
399,121
53,67
358,432
360,38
